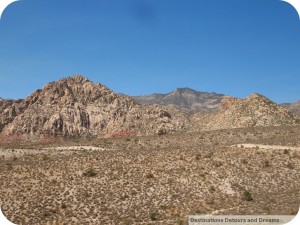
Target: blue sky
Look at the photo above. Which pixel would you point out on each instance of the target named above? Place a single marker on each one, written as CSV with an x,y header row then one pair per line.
x,y
234,47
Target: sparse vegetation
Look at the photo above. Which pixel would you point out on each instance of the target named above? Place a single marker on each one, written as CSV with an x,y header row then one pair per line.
x,y
149,176
151,180
290,166
247,196
286,151
200,212
90,172
244,161
45,157
266,163
153,216
212,189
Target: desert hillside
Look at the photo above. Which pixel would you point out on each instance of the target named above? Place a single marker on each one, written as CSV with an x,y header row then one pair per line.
x,y
253,111
152,179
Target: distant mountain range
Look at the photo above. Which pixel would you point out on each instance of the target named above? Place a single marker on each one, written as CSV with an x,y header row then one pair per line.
x,y
194,101
186,99
75,106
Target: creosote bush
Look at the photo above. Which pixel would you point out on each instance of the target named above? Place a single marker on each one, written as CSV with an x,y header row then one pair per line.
x,y
212,189
90,172
266,163
247,196
153,216
286,151
290,166
149,175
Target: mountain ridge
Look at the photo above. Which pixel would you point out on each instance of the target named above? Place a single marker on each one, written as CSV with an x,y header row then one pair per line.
x,y
186,99
75,106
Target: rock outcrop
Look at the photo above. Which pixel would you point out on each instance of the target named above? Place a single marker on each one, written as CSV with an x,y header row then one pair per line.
x,y
7,111
75,106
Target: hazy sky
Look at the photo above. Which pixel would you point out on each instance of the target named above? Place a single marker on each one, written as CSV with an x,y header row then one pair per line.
x,y
234,47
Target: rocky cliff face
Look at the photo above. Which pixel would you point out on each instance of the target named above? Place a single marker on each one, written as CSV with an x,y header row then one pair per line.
x,y
7,111
75,106
256,110
185,99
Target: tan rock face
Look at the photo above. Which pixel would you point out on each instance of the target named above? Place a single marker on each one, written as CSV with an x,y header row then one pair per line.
x,y
77,106
256,110
8,111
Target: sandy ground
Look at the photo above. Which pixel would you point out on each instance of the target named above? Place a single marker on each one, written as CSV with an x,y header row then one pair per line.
x,y
73,148
11,153
268,147
152,180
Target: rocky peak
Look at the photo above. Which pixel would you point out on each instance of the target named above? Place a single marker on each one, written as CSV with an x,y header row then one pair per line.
x,y
77,79
76,89
77,106
185,90
255,97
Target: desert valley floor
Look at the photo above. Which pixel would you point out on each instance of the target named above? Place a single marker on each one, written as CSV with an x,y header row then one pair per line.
x,y
154,179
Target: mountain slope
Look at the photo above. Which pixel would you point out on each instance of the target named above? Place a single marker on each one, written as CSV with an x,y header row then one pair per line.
x,y
75,106
256,110
186,99
293,107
